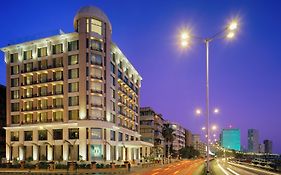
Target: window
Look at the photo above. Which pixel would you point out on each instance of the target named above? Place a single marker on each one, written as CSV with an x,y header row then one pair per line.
x,y
57,102
15,119
120,74
73,133
28,105
58,89
96,87
112,67
112,118
14,82
73,73
73,87
28,67
43,78
112,80
14,135
96,59
43,90
43,117
127,137
73,59
28,135
96,26
28,92
14,58
112,135
15,107
112,105
96,133
27,55
96,45
120,136
58,116
57,48
15,94
57,75
87,25
73,114
42,52
73,101
73,45
42,135
57,62
43,103
57,134
14,70
112,93
28,80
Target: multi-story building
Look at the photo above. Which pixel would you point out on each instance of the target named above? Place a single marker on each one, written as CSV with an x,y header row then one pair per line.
x,y
179,136
2,121
73,96
253,140
261,148
230,139
188,138
198,144
267,146
151,125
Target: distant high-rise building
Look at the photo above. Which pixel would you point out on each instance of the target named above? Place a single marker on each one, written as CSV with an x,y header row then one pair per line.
x,y
253,140
230,139
188,138
267,146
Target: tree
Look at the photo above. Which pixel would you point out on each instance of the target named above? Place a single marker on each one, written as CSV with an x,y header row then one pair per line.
x,y
189,152
167,133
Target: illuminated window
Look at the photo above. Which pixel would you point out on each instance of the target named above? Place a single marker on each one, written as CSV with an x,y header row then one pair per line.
x,y
73,45
42,52
14,70
15,107
96,133
73,133
96,45
57,49
27,55
73,101
57,75
15,119
120,136
58,116
28,80
96,26
15,94
14,135
58,89
73,73
43,117
73,59
87,25
112,135
43,90
73,114
96,59
43,77
112,67
28,67
73,87
57,62
14,82
43,64
14,57
112,80
28,135
57,102
28,105
43,104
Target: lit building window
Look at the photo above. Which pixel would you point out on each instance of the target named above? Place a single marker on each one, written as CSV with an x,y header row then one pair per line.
x,y
73,59
96,26
15,119
14,58
57,49
15,107
73,73
58,116
57,102
58,75
42,135
73,114
96,59
43,117
73,101
73,45
42,52
15,94
28,135
28,118
73,87
27,55
96,45
14,135
57,62
14,70
96,133
112,135
58,89
15,82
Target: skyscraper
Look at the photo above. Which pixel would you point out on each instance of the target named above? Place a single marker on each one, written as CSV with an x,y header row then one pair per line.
x,y
73,96
253,140
267,146
230,139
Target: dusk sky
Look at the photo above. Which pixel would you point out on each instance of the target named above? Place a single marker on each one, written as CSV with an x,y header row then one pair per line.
x,y
245,74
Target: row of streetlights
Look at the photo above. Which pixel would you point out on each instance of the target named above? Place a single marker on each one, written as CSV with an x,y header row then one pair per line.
x,y
228,32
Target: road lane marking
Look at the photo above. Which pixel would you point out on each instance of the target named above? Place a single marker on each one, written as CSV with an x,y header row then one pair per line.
x,y
156,169
176,172
232,171
223,170
263,171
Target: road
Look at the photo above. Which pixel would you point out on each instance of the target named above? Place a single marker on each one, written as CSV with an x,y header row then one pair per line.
x,y
185,167
221,167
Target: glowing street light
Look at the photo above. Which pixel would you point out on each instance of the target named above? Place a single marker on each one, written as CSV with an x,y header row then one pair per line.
x,y
214,127
198,112
216,110
229,33
203,128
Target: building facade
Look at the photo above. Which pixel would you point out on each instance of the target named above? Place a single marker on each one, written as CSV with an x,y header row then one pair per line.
x,y
198,144
267,146
179,136
2,121
230,139
151,125
253,140
188,138
73,96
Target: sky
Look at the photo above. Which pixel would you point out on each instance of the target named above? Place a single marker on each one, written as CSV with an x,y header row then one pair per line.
x,y
245,74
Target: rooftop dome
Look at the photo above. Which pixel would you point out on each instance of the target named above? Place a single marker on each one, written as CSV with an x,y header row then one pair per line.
x,y
91,11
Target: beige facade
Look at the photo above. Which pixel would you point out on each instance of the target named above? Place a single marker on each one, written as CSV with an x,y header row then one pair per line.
x,y
151,125
198,144
179,136
73,96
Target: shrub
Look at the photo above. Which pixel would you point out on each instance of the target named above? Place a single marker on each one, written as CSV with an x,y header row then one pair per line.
x,y
61,166
43,165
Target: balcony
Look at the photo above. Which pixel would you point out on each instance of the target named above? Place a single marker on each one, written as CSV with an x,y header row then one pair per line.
x,y
100,106
40,82
96,91
42,68
42,108
42,95
96,77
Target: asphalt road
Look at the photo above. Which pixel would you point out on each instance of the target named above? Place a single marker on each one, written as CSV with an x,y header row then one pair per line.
x,y
221,167
185,167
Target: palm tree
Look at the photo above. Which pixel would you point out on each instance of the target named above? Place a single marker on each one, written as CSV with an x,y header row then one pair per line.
x,y
167,133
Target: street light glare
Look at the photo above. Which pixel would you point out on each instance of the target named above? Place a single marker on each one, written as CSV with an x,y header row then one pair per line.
x,y
198,111
214,127
184,43
233,25
216,110
184,36
230,35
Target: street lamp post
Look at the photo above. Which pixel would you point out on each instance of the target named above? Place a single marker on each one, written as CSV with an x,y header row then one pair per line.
x,y
230,29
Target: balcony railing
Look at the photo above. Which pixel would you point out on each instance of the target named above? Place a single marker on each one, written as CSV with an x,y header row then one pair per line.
x,y
42,81
97,105
42,68
42,95
42,108
96,91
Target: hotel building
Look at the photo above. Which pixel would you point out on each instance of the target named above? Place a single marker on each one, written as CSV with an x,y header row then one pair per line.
x,y
73,96
151,126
